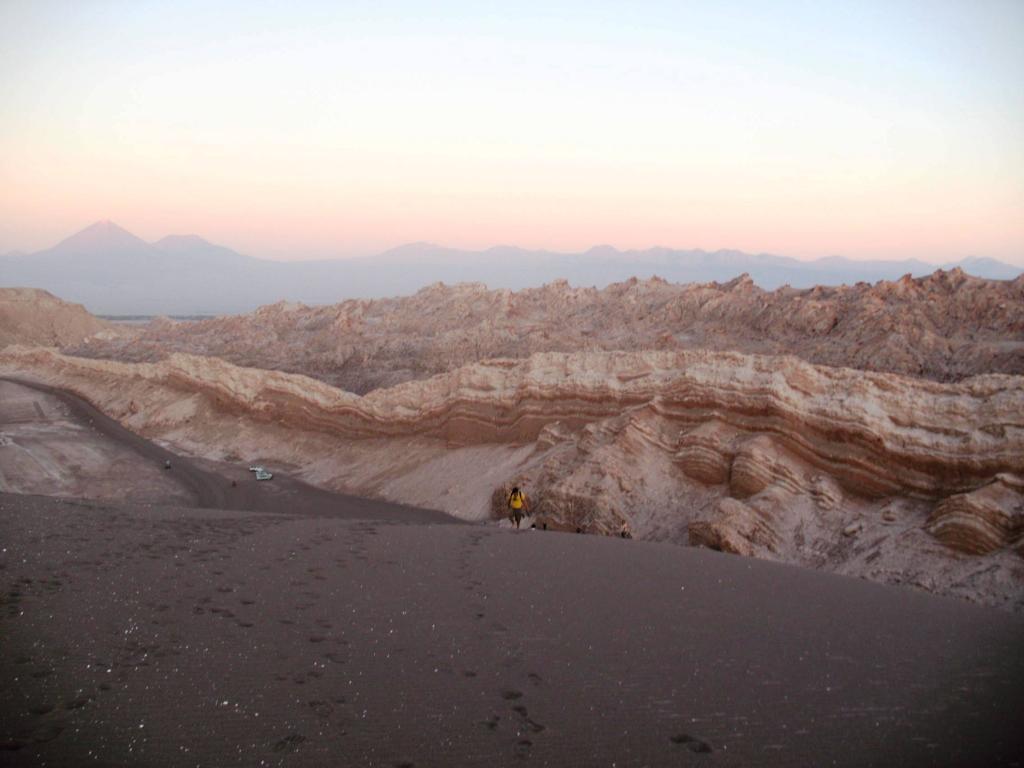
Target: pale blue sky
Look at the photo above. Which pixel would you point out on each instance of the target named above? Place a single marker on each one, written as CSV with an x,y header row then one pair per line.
x,y
293,129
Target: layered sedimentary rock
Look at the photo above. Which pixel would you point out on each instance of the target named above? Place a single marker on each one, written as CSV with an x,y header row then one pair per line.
x,y
983,520
737,528
705,453
760,464
765,456
945,327
877,434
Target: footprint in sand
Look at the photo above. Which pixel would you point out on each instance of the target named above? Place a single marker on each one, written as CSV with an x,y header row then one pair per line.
x,y
510,695
692,743
523,747
43,733
77,703
289,743
321,708
526,722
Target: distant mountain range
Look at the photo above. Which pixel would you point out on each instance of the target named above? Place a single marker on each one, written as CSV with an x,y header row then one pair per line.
x,y
113,272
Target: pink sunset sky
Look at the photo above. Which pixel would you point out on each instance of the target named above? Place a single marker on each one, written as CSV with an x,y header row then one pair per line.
x,y
870,130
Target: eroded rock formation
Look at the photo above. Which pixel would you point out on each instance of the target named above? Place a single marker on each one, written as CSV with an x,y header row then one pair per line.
x,y
982,520
597,404
764,456
877,434
738,528
945,327
32,316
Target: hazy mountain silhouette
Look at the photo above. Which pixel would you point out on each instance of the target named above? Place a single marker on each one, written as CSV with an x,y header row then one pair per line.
x,y
111,271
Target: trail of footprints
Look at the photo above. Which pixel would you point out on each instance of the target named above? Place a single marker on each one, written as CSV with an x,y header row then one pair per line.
x,y
510,718
525,728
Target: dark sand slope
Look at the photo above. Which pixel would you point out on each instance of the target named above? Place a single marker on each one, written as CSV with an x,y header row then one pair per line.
x,y
170,636
71,419
46,448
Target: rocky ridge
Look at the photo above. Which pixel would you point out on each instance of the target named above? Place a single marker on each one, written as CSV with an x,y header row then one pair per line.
x,y
945,327
873,474
32,316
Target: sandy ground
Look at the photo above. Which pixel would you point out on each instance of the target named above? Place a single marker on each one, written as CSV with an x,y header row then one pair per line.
x,y
86,454
46,447
158,636
319,629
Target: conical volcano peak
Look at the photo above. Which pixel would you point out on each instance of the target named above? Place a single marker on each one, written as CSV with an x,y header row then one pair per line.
x,y
102,236
104,226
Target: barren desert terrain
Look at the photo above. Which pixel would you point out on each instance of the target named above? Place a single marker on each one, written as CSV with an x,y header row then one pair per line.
x,y
868,430
579,385
345,611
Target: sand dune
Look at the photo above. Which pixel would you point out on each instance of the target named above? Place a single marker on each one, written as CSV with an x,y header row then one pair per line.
x,y
170,636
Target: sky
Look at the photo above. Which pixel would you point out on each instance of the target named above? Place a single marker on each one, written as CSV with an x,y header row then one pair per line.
x,y
311,130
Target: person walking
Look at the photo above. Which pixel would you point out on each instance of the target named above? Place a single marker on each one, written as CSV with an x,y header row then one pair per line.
x,y
518,506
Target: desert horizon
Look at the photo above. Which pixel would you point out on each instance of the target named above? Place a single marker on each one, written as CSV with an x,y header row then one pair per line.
x,y
511,246
185,275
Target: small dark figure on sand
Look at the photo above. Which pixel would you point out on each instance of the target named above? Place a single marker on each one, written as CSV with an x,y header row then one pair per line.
x,y
625,532
517,506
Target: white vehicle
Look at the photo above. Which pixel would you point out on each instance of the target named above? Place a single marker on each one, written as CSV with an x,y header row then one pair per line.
x,y
261,473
